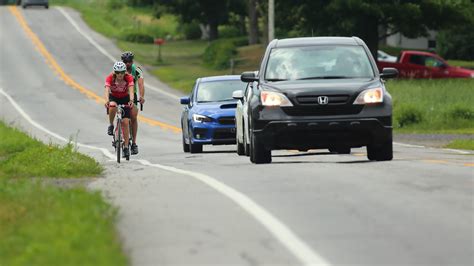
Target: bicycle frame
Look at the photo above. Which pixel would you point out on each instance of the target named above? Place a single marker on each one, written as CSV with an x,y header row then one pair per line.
x,y
118,136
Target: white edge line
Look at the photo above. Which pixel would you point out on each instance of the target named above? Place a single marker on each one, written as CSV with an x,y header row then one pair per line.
x,y
279,230
104,52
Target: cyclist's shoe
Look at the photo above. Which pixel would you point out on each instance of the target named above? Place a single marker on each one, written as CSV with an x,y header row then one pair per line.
x,y
134,149
110,130
126,153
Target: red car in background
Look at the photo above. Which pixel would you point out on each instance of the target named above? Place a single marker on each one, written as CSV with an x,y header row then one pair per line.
x,y
418,64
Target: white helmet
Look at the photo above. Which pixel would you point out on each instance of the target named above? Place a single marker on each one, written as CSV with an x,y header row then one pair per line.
x,y
119,66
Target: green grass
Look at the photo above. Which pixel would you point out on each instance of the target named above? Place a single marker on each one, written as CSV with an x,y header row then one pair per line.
x,y
465,64
122,19
465,144
46,225
444,106
21,156
42,224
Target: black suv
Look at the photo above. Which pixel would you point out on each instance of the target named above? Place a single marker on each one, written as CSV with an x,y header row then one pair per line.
x,y
317,93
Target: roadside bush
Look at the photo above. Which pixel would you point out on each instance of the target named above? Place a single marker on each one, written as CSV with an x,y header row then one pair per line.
x,y
218,54
456,43
460,112
408,115
191,31
229,32
116,4
138,37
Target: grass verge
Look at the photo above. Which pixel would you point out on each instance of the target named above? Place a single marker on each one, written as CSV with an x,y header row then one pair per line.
x,y
465,144
21,156
433,106
42,224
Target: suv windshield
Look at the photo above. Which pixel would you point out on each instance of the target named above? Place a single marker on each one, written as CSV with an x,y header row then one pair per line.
x,y
217,91
318,62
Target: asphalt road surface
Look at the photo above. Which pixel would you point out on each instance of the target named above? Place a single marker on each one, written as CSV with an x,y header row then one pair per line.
x,y
217,208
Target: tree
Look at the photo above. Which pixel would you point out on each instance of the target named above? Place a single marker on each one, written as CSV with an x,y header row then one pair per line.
x,y
366,18
253,21
209,12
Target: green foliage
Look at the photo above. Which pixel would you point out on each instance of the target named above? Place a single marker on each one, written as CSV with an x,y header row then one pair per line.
x,y
191,31
438,101
126,20
364,18
45,225
457,42
14,141
227,31
218,54
41,224
465,144
408,115
21,156
460,112
116,4
138,37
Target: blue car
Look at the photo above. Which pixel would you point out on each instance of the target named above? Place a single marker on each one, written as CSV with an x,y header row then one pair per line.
x,y
209,112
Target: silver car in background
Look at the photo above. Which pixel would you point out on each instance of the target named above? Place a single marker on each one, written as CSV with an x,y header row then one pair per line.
x,y
27,3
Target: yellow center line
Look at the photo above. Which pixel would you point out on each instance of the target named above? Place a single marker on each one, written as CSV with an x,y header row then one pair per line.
x,y
68,80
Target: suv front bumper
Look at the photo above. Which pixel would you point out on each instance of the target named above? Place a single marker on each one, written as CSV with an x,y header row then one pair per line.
x,y
317,133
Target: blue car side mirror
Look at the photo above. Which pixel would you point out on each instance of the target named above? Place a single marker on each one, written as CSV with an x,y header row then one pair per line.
x,y
184,100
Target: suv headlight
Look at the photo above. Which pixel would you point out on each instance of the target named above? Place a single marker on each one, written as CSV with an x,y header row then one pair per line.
x,y
370,96
271,98
201,118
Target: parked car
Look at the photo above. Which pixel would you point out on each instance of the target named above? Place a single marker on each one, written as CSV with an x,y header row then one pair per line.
x,y
295,102
418,64
27,3
383,56
209,112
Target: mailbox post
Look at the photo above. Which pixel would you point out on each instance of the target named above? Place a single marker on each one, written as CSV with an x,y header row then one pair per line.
x,y
159,42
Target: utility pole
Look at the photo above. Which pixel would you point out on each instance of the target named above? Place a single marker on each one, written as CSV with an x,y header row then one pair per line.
x,y
271,20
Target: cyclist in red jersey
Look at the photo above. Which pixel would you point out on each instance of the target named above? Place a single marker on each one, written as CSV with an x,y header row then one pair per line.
x,y
119,90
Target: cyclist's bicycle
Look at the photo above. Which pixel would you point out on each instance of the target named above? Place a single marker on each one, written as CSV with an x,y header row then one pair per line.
x,y
118,137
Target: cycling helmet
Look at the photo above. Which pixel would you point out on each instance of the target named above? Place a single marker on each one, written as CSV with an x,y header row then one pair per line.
x,y
127,56
120,66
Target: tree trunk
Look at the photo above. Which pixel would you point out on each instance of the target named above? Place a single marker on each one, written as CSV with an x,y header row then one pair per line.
x,y
213,22
253,22
370,34
204,31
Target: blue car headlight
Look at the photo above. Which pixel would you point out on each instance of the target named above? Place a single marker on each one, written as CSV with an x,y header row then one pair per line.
x,y
201,118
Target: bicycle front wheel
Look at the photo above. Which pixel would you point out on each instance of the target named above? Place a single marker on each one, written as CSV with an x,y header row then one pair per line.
x,y
118,140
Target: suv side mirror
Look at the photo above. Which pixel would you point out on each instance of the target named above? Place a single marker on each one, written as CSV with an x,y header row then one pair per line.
x,y
248,76
389,72
184,100
239,95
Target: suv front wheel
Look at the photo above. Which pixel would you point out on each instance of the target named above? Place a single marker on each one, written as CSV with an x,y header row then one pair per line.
x,y
383,152
258,153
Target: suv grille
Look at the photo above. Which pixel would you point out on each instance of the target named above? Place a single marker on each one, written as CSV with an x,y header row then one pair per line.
x,y
227,120
313,99
308,106
318,110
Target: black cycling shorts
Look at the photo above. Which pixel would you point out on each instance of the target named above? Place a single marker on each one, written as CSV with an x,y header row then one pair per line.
x,y
124,100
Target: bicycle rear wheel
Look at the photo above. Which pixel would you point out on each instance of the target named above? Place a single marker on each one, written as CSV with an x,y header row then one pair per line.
x,y
118,140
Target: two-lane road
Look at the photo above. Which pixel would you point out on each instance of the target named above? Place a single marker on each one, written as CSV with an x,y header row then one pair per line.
x,y
217,208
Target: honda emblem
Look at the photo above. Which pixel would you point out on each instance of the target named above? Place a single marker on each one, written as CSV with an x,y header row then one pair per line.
x,y
323,100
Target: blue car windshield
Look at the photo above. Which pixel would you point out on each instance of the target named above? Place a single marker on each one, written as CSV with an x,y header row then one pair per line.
x,y
218,91
318,62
